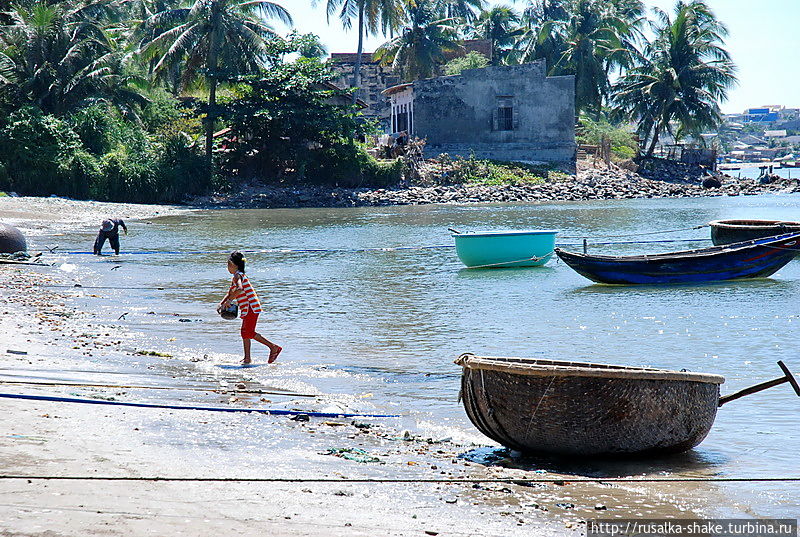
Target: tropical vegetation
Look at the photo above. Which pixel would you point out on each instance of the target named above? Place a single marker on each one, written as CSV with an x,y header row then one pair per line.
x,y
154,100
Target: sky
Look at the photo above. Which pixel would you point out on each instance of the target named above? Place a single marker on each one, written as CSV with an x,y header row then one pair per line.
x,y
764,42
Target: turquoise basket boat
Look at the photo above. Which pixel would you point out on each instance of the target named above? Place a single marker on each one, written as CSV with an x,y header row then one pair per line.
x,y
503,249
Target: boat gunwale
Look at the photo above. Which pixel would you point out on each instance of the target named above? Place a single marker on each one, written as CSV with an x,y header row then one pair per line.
x,y
557,368
690,254
510,233
742,224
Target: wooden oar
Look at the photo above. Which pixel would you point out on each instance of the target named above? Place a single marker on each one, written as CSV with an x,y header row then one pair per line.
x,y
787,377
454,231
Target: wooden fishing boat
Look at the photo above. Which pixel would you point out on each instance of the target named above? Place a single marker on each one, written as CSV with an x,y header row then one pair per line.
x,y
730,231
757,258
505,249
588,409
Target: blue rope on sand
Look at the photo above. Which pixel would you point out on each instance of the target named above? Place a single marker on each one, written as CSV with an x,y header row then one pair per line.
x,y
274,412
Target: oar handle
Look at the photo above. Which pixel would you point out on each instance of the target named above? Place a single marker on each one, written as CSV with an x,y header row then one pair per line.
x,y
788,377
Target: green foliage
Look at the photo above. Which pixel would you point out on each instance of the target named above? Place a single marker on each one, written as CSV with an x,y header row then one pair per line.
x,y
41,155
623,144
95,154
289,123
490,172
472,60
349,165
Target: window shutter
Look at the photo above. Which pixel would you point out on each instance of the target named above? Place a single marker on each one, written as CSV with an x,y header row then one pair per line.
x,y
495,125
514,119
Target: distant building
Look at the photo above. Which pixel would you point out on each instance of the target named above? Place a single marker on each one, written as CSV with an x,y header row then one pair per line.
x,y
775,134
513,113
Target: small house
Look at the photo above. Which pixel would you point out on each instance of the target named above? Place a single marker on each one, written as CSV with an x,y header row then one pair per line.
x,y
512,113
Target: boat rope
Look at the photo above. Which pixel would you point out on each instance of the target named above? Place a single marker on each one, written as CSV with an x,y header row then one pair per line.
x,y
456,480
646,233
534,258
136,387
268,411
388,249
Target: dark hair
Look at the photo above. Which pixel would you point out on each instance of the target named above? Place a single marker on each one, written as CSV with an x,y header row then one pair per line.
x,y
237,258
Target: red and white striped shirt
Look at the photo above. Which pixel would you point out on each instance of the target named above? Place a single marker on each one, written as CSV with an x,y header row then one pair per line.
x,y
247,299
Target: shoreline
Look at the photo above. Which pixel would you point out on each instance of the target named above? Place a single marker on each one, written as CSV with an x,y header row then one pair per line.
x,y
67,339
589,183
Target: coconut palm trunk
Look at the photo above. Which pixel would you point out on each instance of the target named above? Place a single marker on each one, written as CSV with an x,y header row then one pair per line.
x,y
360,51
212,65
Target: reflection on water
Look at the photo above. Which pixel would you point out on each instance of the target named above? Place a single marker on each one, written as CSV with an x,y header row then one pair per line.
x,y
381,328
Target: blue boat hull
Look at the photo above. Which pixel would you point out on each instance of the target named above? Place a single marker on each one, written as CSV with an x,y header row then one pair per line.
x,y
750,259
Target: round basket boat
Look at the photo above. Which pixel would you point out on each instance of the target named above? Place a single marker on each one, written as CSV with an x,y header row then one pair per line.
x,y
585,409
505,249
730,231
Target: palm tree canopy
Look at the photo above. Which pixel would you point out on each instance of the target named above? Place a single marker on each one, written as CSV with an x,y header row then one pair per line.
x,y
420,48
685,73
500,25
209,34
63,55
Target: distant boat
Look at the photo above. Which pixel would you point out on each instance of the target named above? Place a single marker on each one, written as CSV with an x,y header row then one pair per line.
x,y
504,249
757,258
730,231
588,409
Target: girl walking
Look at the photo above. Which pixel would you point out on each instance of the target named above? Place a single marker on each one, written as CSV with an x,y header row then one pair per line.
x,y
249,307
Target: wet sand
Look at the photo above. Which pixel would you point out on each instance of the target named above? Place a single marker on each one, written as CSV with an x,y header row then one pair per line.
x,y
40,439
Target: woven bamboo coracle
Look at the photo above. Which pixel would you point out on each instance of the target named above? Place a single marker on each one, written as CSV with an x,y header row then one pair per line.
x,y
586,409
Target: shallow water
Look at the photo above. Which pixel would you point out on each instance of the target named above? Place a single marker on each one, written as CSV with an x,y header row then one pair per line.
x,y
380,329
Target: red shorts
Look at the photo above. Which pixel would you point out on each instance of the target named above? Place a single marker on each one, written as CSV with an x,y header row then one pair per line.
x,y
249,325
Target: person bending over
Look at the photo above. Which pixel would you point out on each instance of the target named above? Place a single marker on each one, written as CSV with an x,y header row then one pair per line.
x,y
109,229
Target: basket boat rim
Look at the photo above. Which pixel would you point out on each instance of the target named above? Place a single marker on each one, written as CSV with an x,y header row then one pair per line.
x,y
750,224
558,368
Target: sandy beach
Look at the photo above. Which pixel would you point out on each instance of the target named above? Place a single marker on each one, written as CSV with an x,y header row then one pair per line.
x,y
324,476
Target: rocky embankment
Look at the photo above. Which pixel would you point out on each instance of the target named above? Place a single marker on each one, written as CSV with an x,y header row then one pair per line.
x,y
657,180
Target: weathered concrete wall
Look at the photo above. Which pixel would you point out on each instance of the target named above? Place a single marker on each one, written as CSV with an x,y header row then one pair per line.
x,y
456,114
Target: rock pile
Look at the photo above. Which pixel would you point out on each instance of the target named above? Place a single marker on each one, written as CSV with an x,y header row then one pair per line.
x,y
590,184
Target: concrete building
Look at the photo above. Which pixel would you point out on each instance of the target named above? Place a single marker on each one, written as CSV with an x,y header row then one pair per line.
x,y
513,113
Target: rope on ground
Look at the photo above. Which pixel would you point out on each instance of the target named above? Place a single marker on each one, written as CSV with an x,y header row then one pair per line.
x,y
510,481
136,387
268,411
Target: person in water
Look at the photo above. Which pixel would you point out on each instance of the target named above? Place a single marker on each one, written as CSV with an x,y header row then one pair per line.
x,y
249,306
109,229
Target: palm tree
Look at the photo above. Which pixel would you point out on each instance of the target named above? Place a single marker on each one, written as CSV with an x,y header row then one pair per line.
x,y
684,75
500,25
422,45
373,16
207,35
593,45
462,9
542,38
62,55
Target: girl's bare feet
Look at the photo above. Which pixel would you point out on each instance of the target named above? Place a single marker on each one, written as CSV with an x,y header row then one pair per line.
x,y
273,353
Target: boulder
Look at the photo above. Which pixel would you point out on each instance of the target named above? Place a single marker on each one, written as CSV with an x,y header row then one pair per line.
x,y
711,182
11,240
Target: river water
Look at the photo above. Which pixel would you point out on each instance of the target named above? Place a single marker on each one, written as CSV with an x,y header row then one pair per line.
x,y
381,328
